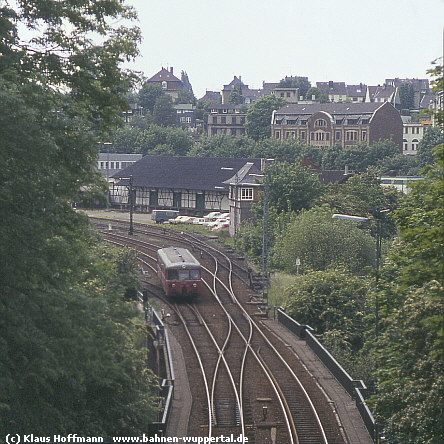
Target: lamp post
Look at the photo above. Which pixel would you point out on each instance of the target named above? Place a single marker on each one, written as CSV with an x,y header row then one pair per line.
x,y
235,196
131,199
264,227
377,253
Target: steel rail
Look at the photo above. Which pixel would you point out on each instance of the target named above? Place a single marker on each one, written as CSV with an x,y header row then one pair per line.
x,y
252,323
306,395
202,369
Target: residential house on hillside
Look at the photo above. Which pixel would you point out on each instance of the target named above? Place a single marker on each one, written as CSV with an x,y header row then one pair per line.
x,y
168,82
413,133
383,94
214,97
249,95
327,124
336,91
356,93
290,95
227,119
391,91
420,87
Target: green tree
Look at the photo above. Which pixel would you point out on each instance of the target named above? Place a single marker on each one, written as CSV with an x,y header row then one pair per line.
x,y
420,221
258,125
322,243
358,157
407,96
172,141
291,187
410,371
409,350
164,113
223,146
363,195
186,94
331,301
70,355
296,82
148,95
433,137
236,97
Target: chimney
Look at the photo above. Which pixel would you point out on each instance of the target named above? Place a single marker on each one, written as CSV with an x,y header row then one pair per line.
x,y
171,70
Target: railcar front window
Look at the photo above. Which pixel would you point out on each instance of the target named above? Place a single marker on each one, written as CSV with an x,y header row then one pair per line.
x,y
194,275
172,275
184,275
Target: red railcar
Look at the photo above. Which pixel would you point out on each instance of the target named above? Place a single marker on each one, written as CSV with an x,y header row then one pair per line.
x,y
179,272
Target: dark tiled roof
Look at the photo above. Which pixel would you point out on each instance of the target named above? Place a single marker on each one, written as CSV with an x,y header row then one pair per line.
x,y
244,176
356,90
190,173
331,108
162,75
332,87
384,91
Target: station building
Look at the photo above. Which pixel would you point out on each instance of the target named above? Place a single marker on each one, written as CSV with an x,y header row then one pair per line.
x,y
193,185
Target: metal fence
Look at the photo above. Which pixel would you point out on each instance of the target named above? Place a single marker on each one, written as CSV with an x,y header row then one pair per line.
x,y
354,387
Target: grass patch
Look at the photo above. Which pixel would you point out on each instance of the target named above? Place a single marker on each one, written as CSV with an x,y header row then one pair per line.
x,y
279,282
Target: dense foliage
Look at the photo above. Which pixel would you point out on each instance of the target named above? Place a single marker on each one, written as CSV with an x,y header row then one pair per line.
x,y
71,341
322,243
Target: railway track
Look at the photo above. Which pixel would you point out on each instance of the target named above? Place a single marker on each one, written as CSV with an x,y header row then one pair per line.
x,y
244,380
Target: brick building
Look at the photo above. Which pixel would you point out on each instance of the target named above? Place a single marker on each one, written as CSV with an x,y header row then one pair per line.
x,y
328,124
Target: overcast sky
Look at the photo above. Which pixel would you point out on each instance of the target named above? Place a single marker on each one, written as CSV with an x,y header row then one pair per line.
x,y
265,40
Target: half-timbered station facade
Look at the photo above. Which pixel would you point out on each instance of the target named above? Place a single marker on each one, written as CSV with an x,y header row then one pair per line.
x,y
192,185
328,124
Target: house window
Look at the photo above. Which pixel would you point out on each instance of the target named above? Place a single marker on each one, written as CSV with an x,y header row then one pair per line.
x,y
302,135
338,135
364,135
351,136
320,123
246,194
164,85
277,134
415,143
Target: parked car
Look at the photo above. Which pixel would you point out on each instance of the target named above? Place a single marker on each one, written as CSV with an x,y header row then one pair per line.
x,y
180,220
198,220
220,226
211,217
160,216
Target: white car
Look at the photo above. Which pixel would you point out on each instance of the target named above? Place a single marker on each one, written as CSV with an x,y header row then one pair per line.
x,y
221,226
180,220
211,217
198,221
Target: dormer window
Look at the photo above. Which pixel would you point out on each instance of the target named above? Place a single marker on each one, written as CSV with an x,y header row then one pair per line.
x,y
320,123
